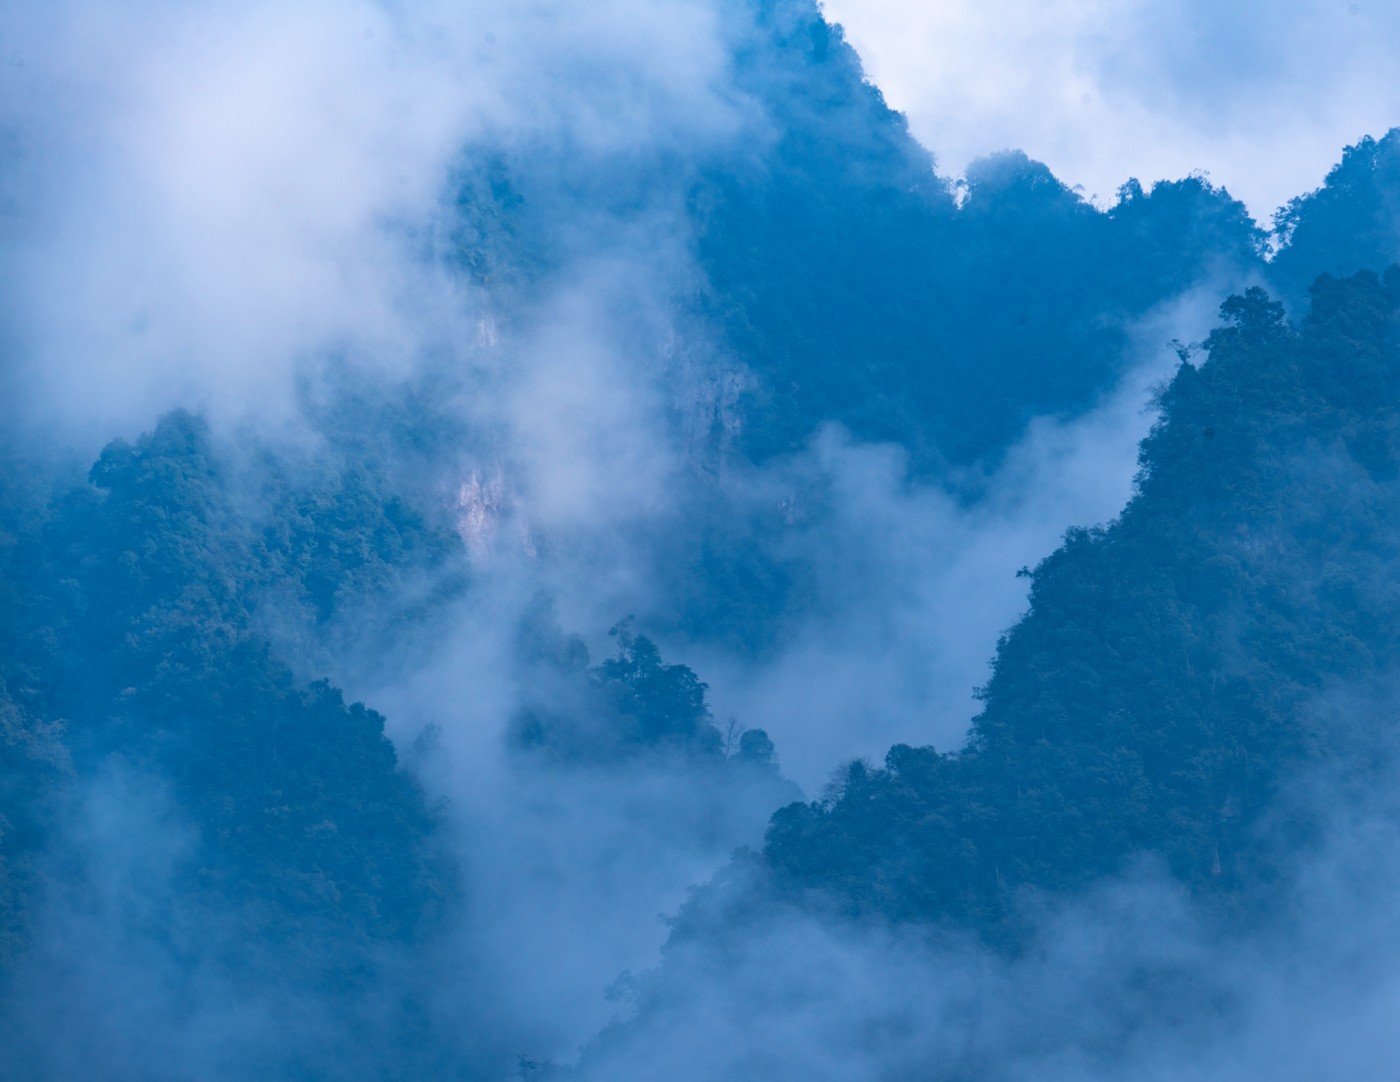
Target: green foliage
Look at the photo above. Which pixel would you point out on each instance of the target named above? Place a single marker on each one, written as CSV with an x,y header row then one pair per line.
x,y
33,764
851,281
631,704
346,552
135,601
1166,680
663,704
845,274
756,748
1349,224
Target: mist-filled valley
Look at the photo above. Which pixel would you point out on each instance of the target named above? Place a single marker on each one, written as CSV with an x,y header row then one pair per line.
x,y
556,542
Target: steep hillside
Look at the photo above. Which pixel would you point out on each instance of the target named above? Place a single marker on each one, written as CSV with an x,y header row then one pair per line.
x,y
840,277
1172,673
859,286
271,835
1351,223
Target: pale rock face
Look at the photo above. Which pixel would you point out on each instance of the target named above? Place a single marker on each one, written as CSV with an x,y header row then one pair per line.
x,y
480,504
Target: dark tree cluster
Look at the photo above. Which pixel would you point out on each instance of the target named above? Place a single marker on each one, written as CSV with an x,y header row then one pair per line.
x,y
1172,673
133,646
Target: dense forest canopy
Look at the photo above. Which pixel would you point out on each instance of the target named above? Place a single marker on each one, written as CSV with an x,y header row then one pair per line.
x,y
1168,678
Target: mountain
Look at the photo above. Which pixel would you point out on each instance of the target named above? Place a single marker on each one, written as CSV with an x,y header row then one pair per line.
x,y
1350,223
841,278
823,273
217,862
277,833
857,285
1175,800
1169,681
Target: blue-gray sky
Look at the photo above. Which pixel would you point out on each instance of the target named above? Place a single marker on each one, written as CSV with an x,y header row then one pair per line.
x,y
1261,95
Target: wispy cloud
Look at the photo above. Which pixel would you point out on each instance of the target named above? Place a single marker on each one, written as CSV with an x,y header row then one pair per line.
x,y
1262,97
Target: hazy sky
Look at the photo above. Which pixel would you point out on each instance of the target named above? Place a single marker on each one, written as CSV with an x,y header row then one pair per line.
x,y
1260,94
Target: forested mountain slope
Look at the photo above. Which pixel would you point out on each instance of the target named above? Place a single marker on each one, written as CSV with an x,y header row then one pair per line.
x,y
1349,224
135,656
175,785
1171,676
842,279
1162,849
858,286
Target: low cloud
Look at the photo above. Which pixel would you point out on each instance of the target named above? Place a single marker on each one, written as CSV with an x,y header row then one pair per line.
x,y
206,202
914,584
1131,979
